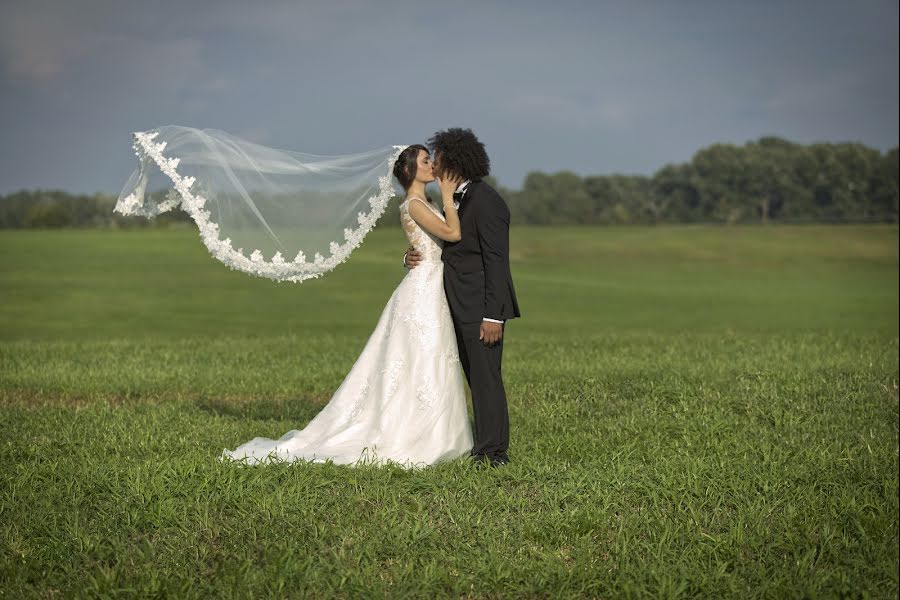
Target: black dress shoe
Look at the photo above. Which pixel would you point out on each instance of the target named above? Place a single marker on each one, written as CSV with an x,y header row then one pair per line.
x,y
496,461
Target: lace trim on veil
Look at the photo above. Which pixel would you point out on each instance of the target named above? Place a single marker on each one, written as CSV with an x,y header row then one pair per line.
x,y
277,267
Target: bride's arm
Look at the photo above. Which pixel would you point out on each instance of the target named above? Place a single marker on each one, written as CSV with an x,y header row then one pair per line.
x,y
448,231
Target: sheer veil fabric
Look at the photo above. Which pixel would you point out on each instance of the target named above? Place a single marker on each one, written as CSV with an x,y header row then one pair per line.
x,y
273,213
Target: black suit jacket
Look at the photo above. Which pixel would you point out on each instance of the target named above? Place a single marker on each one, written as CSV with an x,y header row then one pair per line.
x,y
477,279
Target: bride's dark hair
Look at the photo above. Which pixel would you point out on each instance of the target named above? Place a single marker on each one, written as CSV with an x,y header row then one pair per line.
x,y
407,164
461,153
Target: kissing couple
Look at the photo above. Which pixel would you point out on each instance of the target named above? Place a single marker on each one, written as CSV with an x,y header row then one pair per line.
x,y
404,399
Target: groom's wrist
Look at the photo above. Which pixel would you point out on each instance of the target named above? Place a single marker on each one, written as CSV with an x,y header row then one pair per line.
x,y
492,320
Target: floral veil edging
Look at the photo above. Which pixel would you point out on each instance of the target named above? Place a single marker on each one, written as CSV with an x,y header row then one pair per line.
x,y
277,268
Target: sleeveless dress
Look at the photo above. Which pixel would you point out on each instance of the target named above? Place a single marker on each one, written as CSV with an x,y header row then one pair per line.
x,y
404,400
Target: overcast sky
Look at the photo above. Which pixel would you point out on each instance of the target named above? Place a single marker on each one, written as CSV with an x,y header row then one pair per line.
x,y
593,87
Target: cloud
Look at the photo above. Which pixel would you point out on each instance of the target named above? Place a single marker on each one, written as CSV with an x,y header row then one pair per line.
x,y
595,87
44,43
570,112
39,40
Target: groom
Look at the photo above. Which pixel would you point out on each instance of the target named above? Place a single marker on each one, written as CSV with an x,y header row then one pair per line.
x,y
478,285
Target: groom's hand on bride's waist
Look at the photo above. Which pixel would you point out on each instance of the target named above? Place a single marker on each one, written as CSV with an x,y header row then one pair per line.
x,y
412,258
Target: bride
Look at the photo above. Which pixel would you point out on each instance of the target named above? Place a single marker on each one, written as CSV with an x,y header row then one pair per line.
x,y
403,401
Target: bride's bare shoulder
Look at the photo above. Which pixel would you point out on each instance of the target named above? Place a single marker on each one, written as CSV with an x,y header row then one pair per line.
x,y
425,202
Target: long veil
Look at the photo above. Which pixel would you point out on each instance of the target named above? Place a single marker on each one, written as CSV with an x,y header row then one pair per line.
x,y
269,212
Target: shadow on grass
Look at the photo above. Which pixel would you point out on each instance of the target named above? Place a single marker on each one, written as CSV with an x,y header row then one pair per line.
x,y
296,410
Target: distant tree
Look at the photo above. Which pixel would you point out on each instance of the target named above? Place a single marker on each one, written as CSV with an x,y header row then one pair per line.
x,y
769,183
884,191
676,188
767,180
50,215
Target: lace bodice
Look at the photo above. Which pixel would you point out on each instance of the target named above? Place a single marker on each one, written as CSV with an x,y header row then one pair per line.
x,y
429,245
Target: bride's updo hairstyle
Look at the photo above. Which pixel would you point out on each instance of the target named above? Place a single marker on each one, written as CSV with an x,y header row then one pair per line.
x,y
407,164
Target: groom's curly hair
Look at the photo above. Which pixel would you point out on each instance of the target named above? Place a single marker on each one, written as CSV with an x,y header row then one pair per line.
x,y
461,153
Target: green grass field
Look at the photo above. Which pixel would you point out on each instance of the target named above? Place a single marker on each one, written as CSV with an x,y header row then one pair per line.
x,y
695,412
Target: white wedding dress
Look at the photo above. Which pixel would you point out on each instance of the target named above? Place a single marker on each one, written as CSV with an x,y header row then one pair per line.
x,y
403,401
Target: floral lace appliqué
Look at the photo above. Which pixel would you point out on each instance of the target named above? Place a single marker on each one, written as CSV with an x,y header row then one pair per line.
x,y
430,246
426,394
392,377
359,400
278,267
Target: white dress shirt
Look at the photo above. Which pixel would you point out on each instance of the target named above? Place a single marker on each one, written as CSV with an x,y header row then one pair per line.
x,y
460,189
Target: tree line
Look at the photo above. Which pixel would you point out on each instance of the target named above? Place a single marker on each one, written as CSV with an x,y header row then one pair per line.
x,y
769,180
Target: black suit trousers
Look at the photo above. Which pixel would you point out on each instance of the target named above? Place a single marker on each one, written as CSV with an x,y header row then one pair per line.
x,y
482,366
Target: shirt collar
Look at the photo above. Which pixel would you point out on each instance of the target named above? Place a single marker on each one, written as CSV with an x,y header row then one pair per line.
x,y
462,187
